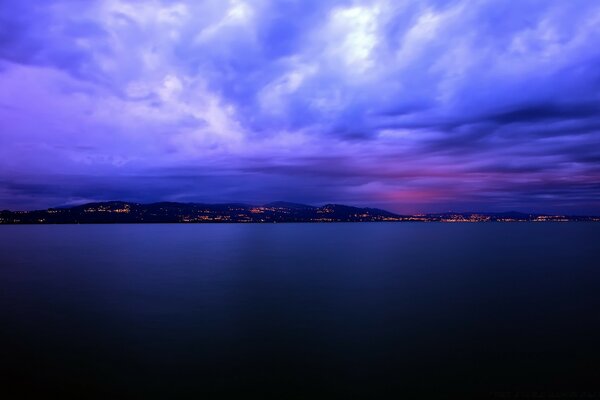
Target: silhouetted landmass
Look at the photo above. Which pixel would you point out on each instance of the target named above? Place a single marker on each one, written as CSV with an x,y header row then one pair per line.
x,y
170,212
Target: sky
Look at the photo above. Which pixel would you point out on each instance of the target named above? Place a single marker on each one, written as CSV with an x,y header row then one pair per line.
x,y
412,106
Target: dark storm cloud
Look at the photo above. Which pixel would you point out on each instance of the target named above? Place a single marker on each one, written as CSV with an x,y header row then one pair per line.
x,y
413,105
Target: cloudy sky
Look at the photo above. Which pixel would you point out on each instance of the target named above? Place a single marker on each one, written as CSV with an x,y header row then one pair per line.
x,y
407,105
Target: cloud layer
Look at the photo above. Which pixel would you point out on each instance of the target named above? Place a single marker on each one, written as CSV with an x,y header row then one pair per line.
x,y
411,106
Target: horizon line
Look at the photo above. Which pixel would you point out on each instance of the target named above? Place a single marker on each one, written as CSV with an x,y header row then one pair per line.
x,y
74,205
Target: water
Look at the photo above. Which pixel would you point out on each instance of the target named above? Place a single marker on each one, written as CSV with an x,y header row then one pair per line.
x,y
370,310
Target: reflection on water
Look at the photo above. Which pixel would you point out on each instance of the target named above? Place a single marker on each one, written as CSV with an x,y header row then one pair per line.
x,y
299,310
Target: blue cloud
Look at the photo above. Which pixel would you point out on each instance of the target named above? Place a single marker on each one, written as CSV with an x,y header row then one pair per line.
x,y
414,98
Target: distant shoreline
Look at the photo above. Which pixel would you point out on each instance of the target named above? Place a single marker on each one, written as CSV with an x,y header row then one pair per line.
x,y
119,212
289,223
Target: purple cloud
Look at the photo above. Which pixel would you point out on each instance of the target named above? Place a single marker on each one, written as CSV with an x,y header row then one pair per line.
x,y
411,106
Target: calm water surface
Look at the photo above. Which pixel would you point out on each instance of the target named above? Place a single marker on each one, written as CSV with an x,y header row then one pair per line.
x,y
369,310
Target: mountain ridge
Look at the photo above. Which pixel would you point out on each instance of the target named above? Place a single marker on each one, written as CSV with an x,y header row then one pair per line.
x,y
278,211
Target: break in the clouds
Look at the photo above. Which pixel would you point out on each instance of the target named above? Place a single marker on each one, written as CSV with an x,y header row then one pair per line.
x,y
407,105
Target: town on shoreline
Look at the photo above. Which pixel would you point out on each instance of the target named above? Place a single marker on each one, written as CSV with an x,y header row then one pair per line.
x,y
172,212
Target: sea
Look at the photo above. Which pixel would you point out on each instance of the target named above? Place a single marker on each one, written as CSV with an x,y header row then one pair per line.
x,y
300,311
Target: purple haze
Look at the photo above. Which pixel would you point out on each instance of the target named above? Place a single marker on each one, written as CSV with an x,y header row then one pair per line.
x,y
407,105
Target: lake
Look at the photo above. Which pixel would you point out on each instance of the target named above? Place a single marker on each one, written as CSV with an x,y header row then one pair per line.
x,y
340,310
